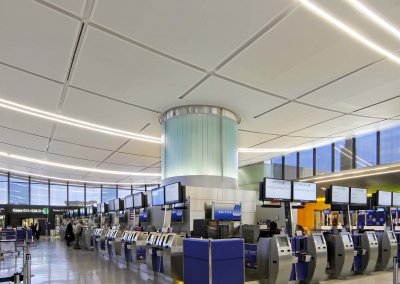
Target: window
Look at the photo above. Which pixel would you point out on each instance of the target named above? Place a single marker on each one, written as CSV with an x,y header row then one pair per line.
x,y
277,168
122,192
58,195
39,194
390,145
108,194
323,159
19,191
76,196
3,190
343,155
306,162
366,150
291,166
93,195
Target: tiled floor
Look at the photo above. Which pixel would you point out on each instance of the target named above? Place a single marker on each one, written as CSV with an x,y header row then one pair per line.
x,y
53,262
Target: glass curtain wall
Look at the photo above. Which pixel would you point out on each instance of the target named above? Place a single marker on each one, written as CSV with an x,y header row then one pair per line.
x,y
58,195
3,189
76,196
39,193
19,191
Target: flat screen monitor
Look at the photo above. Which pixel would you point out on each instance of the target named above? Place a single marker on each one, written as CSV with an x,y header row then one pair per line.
x,y
143,215
111,207
173,193
157,196
384,198
346,238
278,190
82,212
117,205
396,199
138,200
129,201
340,194
177,215
304,192
283,241
319,240
371,236
358,196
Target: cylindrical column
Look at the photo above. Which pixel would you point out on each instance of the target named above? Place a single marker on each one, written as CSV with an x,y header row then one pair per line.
x,y
200,146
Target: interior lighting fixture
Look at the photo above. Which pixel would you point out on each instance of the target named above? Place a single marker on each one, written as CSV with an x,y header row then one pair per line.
x,y
39,176
340,25
78,168
359,176
75,122
374,17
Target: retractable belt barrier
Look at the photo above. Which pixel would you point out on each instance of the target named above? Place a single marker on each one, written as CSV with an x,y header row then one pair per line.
x,y
396,261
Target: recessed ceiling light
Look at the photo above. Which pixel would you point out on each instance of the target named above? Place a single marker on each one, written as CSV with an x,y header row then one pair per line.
x,y
68,180
374,17
339,24
75,122
78,168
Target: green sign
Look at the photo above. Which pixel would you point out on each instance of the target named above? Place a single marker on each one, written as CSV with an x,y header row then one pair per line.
x,y
45,211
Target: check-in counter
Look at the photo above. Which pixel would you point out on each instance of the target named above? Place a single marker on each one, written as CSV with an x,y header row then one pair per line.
x,y
173,256
151,251
275,259
367,248
125,250
138,243
387,250
99,239
340,255
114,244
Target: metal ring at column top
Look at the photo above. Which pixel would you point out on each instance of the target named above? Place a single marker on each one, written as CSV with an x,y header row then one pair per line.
x,y
198,109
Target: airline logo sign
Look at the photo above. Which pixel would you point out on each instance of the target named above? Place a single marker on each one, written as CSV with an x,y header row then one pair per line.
x,y
44,211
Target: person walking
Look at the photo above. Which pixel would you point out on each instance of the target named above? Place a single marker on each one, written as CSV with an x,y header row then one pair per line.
x,y
33,228
69,233
38,229
78,234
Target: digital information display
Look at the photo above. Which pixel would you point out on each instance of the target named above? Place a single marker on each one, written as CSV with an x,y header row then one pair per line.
x,y
384,198
283,241
396,199
358,196
138,200
128,201
143,215
280,190
303,191
177,215
172,194
340,194
227,211
157,196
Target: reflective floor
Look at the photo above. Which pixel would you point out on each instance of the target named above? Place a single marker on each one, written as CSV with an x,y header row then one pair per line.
x,y
54,262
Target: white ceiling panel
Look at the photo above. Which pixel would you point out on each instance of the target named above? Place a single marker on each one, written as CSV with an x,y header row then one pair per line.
x,y
17,138
74,161
337,125
144,180
74,6
387,109
299,54
57,147
288,118
61,173
246,102
142,148
19,166
245,159
26,89
369,86
137,161
107,112
248,139
35,44
129,73
201,32
87,137
121,167
25,152
285,142
23,122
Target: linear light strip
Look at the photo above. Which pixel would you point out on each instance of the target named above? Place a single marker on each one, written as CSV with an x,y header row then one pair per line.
x,y
75,122
66,179
374,17
358,176
331,19
78,168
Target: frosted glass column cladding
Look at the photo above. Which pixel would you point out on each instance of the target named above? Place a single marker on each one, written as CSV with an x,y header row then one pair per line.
x,y
200,146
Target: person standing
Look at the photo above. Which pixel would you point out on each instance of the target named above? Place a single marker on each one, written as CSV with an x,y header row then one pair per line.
x,y
78,234
69,233
33,231
37,231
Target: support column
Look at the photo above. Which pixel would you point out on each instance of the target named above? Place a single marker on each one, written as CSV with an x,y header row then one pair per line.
x,y
200,146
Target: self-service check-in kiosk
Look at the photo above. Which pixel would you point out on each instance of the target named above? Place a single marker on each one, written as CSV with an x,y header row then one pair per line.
x,y
312,256
340,254
125,250
274,257
387,250
151,251
99,240
173,256
366,246
114,244
87,238
138,243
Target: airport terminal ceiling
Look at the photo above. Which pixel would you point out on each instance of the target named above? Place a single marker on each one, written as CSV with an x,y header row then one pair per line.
x,y
294,78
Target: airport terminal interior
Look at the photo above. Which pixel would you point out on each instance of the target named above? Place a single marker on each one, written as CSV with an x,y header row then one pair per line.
x,y
200,142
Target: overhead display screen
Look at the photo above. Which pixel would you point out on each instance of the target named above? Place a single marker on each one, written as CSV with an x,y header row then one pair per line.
x,y
340,194
396,199
157,196
172,193
129,201
304,192
384,198
275,189
138,200
358,196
